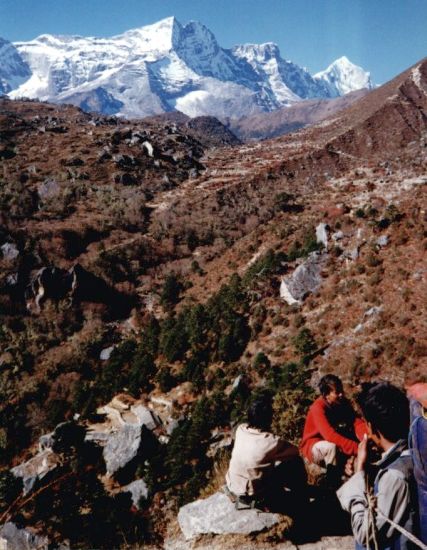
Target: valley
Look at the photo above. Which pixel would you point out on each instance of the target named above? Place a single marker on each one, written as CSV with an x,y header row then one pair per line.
x,y
155,273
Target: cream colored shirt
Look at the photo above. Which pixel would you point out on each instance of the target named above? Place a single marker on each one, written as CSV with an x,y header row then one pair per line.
x,y
254,455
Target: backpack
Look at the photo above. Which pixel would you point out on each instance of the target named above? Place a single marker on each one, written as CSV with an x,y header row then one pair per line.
x,y
418,446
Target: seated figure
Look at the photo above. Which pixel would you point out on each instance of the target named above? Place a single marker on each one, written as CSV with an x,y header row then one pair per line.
x,y
263,464
332,428
381,496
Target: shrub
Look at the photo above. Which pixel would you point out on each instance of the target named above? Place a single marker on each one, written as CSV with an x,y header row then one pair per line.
x,y
165,379
267,265
173,338
141,371
192,240
309,245
16,200
10,488
261,361
305,345
290,410
172,288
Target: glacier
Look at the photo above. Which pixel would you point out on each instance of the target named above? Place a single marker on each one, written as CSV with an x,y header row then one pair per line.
x,y
163,67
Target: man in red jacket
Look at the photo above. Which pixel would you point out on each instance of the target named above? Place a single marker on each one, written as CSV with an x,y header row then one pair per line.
x,y
332,428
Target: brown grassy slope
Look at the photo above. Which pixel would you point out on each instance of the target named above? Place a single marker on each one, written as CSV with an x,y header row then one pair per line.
x,y
372,155
292,118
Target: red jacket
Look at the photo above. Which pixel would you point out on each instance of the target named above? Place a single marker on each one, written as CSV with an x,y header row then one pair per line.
x,y
322,423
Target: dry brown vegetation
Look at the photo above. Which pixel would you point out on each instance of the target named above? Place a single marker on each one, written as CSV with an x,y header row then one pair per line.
x,y
168,231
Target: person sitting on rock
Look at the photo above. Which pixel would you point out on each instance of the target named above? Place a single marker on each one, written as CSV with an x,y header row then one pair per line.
x,y
332,428
262,463
382,491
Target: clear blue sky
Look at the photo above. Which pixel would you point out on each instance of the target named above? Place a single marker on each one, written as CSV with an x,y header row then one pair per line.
x,y
383,36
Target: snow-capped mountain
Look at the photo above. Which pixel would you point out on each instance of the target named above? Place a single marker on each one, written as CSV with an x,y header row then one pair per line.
x,y
342,77
163,67
13,69
284,80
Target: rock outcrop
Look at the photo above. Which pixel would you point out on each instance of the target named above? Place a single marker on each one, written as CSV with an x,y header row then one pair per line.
x,y
138,490
322,234
218,515
304,280
36,468
13,538
120,434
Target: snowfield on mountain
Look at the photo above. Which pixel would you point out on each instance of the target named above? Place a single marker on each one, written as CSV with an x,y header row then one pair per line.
x,y
164,67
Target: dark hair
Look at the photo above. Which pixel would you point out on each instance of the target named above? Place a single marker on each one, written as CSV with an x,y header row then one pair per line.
x,y
260,413
328,383
386,407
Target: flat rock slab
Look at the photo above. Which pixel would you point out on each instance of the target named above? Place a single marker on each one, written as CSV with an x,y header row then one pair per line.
x,y
217,515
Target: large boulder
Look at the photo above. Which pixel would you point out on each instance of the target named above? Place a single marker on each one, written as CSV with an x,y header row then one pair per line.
x,y
217,515
13,538
121,447
322,234
121,432
304,280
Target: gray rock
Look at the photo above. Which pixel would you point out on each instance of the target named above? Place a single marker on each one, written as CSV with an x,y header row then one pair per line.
x,y
120,433
148,148
12,279
35,468
375,310
383,240
106,353
121,447
48,189
146,417
218,515
9,251
338,236
352,254
322,231
13,538
138,489
99,437
237,382
304,280
46,441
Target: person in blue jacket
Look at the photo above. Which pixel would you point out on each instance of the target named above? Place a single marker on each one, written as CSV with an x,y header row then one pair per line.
x,y
417,392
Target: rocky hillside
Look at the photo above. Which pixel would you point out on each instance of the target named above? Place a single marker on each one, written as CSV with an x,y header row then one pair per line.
x,y
292,118
140,259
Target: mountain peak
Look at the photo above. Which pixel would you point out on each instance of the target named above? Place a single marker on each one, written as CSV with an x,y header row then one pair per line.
x,y
259,52
159,36
342,76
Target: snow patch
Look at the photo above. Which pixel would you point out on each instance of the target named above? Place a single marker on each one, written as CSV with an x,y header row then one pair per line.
x,y
416,77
